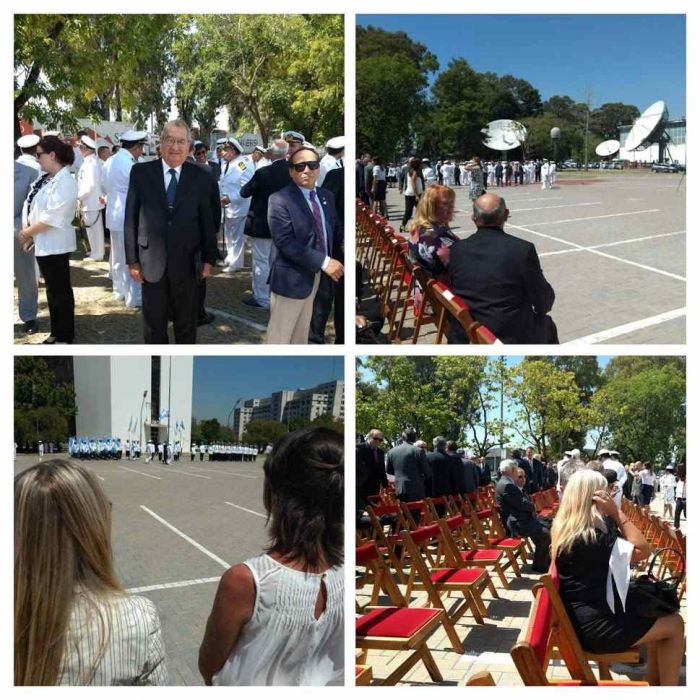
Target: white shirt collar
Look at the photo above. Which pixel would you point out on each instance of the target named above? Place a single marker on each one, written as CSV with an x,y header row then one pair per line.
x,y
307,192
166,170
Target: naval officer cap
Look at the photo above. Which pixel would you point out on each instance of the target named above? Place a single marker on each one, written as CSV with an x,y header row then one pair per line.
x,y
28,141
133,136
336,143
230,141
260,149
87,141
293,137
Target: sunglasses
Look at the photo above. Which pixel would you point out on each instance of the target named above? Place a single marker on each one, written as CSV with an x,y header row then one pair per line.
x,y
311,164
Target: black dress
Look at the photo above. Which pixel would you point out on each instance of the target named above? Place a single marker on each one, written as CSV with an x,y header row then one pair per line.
x,y
583,574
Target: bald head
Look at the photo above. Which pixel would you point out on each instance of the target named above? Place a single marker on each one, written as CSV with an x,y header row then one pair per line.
x,y
490,210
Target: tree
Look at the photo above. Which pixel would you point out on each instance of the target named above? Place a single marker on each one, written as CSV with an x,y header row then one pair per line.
x,y
608,118
263,432
372,41
547,403
210,430
646,411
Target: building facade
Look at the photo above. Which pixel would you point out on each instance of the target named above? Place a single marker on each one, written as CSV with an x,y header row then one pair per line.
x,y
675,129
287,405
153,395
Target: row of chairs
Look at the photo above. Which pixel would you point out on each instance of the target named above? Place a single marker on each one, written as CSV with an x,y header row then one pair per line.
x,y
391,275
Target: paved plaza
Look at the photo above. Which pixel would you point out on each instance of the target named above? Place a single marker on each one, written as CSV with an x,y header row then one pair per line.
x,y
611,245
487,647
175,529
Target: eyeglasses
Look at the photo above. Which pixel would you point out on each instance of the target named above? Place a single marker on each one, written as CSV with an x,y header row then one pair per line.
x,y
200,153
170,141
40,153
377,438
310,164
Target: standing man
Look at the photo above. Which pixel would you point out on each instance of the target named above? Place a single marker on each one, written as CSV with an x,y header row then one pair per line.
x,y
445,475
264,183
170,241
306,233
335,152
409,465
27,147
295,140
537,470
236,172
117,171
25,262
369,468
90,194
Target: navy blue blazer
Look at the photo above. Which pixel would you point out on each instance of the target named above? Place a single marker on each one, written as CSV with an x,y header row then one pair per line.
x,y
295,261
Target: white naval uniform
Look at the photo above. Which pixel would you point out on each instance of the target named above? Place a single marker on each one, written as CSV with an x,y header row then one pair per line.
x,y
429,176
239,172
117,171
546,178
89,192
328,162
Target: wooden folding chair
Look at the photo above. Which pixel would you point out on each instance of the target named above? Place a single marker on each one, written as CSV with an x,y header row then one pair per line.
x,y
363,675
460,551
512,546
470,582
398,627
389,541
544,630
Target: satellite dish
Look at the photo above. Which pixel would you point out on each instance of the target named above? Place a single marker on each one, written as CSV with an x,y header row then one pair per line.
x,y
649,128
607,148
503,135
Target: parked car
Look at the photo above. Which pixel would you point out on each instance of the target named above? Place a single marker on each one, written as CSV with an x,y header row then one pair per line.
x,y
571,164
664,168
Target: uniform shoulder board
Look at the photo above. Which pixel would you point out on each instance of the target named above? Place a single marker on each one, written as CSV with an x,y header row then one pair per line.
x,y
242,165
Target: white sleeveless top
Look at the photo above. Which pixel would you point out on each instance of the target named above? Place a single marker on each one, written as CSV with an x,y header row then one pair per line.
x,y
283,644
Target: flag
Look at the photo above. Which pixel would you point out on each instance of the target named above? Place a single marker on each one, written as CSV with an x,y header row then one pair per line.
x,y
164,414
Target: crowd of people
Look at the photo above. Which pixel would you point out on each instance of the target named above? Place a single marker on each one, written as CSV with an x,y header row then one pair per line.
x,y
95,633
103,448
163,216
586,540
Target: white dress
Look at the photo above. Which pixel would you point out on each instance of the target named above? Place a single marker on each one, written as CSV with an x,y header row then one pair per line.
x,y
283,644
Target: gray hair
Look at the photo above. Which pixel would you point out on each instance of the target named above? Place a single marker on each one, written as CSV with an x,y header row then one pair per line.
x,y
279,149
569,469
490,217
439,442
179,123
506,466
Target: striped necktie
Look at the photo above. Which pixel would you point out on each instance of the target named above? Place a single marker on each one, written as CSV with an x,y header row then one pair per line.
x,y
318,222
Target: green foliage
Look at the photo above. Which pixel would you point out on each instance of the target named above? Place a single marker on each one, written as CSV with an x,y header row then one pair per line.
x,y
609,117
262,432
44,408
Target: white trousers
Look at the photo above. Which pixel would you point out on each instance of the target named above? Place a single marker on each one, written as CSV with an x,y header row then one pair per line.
x,y
95,234
235,242
260,248
547,182
122,283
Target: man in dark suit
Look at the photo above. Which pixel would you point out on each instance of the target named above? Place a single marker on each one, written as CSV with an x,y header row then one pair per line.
x,y
265,182
443,471
214,170
409,465
330,293
537,469
369,467
523,464
169,236
306,237
500,278
519,516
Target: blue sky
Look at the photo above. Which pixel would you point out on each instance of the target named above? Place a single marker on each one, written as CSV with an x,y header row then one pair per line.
x,y
635,59
220,381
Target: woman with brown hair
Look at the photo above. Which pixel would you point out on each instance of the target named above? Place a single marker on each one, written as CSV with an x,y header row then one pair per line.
x,y
48,227
74,623
277,618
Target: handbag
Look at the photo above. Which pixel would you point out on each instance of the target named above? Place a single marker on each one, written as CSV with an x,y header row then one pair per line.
x,y
651,597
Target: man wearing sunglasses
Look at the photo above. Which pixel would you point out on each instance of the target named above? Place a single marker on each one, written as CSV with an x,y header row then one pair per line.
x,y
306,236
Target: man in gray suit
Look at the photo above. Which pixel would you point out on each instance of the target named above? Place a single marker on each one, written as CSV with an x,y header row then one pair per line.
x,y
410,467
25,264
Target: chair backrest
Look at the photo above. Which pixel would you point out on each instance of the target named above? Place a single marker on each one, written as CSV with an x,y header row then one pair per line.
x,y
368,555
531,653
448,305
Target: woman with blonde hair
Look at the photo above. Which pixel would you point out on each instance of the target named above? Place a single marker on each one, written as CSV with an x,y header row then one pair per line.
x,y
74,623
589,534
430,236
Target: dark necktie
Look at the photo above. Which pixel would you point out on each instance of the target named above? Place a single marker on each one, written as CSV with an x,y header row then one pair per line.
x,y
172,188
226,168
318,222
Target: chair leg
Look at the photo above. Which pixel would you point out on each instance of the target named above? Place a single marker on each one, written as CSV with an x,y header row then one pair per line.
x,y
430,664
397,674
513,562
604,671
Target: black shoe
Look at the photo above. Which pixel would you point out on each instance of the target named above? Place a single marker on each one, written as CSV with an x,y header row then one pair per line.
x,y
49,341
204,320
30,327
251,301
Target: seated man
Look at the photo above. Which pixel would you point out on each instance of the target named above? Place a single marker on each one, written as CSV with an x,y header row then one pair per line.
x,y
519,515
500,278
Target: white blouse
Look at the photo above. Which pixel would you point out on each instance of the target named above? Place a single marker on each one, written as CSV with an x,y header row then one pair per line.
x,y
54,205
133,644
283,644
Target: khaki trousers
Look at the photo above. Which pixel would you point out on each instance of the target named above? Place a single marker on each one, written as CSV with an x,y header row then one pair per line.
x,y
290,319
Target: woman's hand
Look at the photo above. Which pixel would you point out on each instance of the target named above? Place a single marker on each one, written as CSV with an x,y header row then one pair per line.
x,y
605,504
